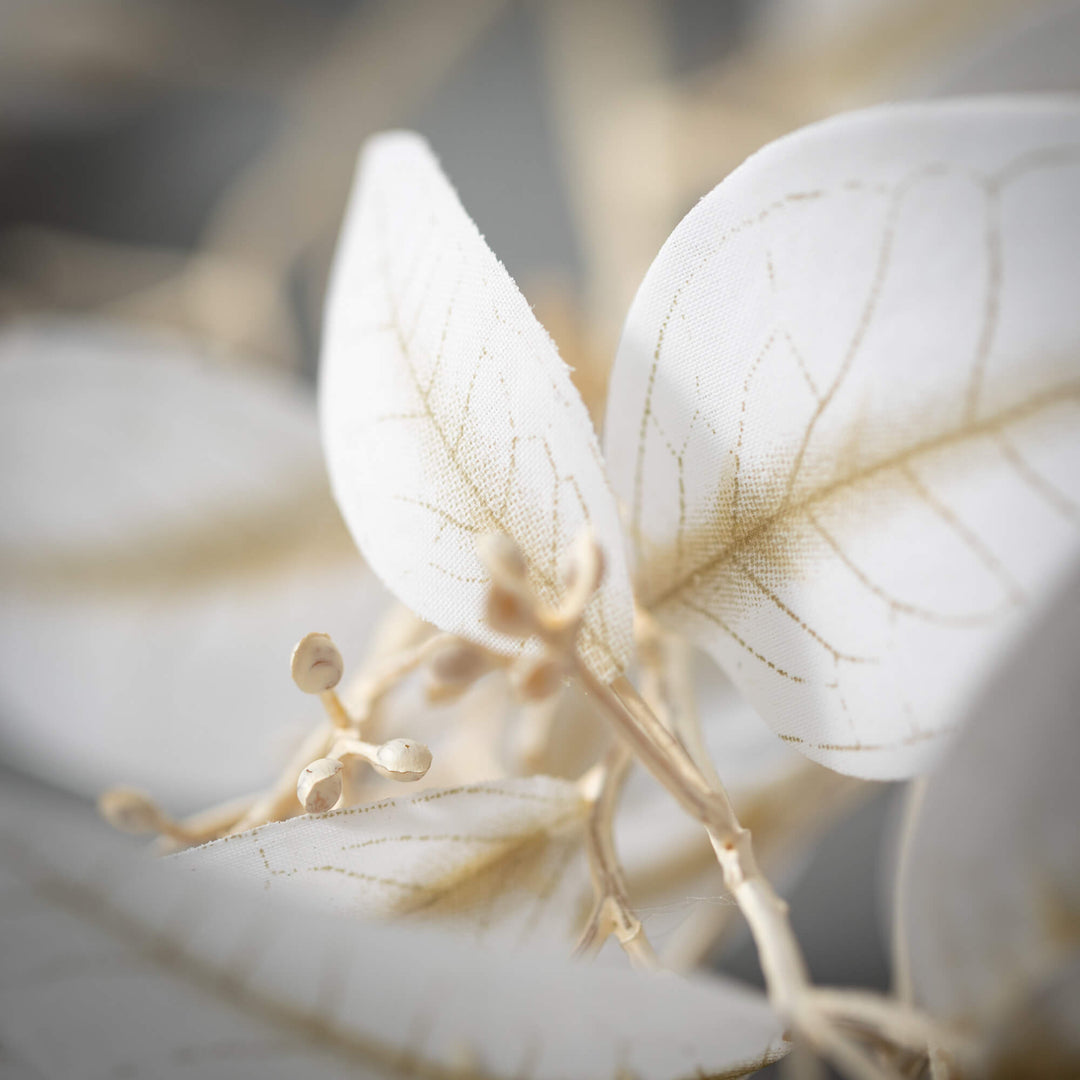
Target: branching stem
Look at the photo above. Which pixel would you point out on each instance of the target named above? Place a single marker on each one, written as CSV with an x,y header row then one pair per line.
x,y
901,1025
279,801
786,975
667,687
611,913
375,686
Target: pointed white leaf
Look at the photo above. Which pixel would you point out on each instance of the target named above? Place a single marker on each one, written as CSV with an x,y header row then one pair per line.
x,y
167,536
447,413
483,859
843,417
990,900
114,965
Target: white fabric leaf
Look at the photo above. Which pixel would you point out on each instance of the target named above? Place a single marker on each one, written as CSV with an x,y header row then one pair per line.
x,y
486,859
843,417
115,965
990,900
167,536
447,413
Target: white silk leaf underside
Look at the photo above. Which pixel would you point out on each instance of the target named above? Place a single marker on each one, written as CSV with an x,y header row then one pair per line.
x,y
167,536
990,900
115,965
447,413
843,417
495,861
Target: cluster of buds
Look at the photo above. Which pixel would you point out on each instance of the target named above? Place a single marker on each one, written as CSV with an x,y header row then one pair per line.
x,y
452,666
317,668
514,609
455,664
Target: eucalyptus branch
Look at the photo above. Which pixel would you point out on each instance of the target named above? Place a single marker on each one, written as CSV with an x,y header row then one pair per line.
x,y
778,814
786,976
513,608
611,913
667,685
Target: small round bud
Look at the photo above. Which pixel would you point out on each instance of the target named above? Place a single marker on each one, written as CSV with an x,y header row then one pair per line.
x,y
458,661
453,669
402,759
316,664
536,678
503,558
319,786
509,613
131,811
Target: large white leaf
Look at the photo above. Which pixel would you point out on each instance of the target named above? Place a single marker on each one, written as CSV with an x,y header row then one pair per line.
x,y
844,416
990,899
167,535
447,413
487,859
116,966
503,860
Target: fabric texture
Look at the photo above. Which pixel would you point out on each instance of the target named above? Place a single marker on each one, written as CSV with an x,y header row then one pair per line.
x,y
447,413
843,417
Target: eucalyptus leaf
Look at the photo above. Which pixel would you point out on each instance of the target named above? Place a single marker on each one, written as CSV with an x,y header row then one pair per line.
x,y
447,413
843,417
989,900
167,536
115,966
497,859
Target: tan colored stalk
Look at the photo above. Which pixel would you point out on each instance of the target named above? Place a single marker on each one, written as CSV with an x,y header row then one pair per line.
x,y
786,975
605,64
778,816
373,687
210,824
802,1064
686,720
334,710
378,69
280,801
611,913
901,954
903,1026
